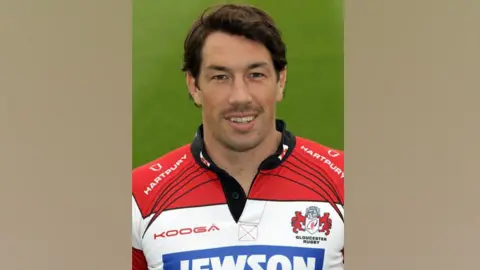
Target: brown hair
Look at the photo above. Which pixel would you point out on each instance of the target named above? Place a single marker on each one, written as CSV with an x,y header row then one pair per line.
x,y
242,20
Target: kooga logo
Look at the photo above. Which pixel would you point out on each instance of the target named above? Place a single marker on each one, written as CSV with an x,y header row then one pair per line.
x,y
247,257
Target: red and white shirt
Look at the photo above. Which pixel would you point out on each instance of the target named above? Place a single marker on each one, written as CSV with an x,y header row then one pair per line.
x,y
188,214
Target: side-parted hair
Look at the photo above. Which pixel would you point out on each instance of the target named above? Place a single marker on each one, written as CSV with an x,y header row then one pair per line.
x,y
241,20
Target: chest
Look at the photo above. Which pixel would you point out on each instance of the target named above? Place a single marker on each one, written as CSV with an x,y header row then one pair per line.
x,y
269,235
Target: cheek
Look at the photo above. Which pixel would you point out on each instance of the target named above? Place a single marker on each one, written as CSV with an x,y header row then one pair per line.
x,y
267,100
213,105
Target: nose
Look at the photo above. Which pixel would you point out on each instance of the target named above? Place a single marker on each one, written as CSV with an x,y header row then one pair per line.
x,y
240,93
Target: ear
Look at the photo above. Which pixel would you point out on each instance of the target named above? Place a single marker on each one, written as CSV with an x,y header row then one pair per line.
x,y
282,80
194,92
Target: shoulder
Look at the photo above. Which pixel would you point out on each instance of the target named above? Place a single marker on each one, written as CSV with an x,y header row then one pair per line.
x,y
326,162
148,179
330,159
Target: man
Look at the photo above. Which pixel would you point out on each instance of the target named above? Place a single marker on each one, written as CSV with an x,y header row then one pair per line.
x,y
246,193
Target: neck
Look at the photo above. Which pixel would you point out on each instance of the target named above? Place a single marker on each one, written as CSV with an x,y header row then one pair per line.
x,y
241,164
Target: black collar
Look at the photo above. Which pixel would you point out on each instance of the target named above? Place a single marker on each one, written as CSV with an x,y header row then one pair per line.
x,y
284,149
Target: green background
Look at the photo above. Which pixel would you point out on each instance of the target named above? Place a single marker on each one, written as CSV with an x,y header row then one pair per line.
x,y
164,118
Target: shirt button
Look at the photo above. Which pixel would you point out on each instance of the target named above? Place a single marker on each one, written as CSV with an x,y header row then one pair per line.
x,y
235,195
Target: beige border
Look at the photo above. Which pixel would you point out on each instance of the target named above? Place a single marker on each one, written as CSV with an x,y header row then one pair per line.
x,y
412,75
65,103
410,139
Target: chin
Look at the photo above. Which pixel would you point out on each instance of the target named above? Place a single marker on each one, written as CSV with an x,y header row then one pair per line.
x,y
242,145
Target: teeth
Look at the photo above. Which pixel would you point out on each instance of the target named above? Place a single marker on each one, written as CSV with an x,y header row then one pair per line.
x,y
242,120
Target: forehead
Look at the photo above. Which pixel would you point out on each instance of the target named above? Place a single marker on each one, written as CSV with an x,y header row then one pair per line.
x,y
233,51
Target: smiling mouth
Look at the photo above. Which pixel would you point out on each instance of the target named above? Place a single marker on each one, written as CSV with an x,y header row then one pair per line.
x,y
242,120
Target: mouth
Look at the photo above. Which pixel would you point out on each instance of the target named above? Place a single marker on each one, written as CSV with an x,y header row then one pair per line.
x,y
243,123
242,120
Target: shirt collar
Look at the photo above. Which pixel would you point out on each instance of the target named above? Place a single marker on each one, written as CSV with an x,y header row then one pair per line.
x,y
284,149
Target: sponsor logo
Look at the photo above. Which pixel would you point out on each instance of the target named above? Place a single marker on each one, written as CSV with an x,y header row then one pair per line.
x,y
324,160
312,222
185,231
333,153
156,167
248,258
164,174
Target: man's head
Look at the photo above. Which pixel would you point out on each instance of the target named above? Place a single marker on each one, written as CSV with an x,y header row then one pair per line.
x,y
235,61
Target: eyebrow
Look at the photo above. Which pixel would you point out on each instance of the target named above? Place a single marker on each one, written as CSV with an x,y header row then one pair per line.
x,y
226,69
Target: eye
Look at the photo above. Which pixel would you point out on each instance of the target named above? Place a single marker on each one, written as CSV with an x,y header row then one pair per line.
x,y
220,77
256,75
